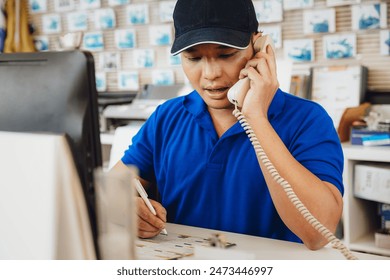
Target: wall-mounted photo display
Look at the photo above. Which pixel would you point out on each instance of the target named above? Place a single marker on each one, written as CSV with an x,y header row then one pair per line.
x,y
319,21
268,11
51,24
160,35
41,43
341,2
337,87
297,4
163,77
385,42
64,5
93,41
143,58
109,61
275,31
89,4
101,82
173,60
137,14
118,2
77,21
166,11
125,38
38,6
105,18
369,16
128,80
299,50
339,46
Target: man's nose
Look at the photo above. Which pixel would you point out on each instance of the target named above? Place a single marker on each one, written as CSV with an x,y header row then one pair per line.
x,y
211,69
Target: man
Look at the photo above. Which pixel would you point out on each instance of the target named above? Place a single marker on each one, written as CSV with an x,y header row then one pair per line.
x,y
201,160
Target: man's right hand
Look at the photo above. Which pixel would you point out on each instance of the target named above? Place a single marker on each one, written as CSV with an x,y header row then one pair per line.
x,y
150,225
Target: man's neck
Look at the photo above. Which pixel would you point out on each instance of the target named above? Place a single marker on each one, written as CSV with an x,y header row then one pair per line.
x,y
223,119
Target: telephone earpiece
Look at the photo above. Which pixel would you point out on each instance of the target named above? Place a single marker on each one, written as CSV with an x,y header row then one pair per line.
x,y
237,92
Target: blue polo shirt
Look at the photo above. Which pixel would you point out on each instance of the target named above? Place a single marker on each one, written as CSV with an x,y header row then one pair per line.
x,y
216,183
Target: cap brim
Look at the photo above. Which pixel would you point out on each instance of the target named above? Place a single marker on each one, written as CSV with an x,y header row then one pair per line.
x,y
212,35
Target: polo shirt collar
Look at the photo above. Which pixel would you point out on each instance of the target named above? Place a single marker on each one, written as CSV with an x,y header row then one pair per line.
x,y
194,104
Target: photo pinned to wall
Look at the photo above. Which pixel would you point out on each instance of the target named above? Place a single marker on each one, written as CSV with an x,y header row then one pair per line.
x,y
300,50
143,58
339,46
77,21
163,77
64,5
166,11
109,61
297,4
125,38
319,21
173,60
89,4
160,35
341,2
385,42
38,6
93,41
101,82
41,43
275,31
369,16
117,2
137,14
268,11
105,18
51,24
128,80
337,87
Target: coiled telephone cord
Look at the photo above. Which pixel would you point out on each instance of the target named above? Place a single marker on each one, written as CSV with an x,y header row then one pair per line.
x,y
261,156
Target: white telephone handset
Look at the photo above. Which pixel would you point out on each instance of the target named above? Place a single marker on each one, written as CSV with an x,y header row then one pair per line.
x,y
237,92
236,95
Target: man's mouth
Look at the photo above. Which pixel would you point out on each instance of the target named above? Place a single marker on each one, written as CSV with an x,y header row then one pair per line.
x,y
216,90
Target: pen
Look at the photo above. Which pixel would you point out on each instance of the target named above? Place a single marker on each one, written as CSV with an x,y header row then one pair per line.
x,y
141,191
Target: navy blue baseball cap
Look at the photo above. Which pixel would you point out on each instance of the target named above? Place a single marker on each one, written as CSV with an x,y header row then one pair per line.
x,y
225,22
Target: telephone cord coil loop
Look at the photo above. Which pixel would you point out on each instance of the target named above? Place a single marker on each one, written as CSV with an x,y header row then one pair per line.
x,y
262,157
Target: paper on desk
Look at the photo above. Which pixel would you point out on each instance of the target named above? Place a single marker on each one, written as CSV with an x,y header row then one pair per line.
x,y
172,246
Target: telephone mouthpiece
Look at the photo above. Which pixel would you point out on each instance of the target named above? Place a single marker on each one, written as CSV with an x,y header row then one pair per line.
x,y
237,92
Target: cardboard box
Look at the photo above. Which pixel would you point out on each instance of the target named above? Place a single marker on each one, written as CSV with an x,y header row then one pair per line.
x,y
382,239
372,182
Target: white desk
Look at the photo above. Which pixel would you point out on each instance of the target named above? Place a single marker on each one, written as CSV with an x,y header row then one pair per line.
x,y
270,249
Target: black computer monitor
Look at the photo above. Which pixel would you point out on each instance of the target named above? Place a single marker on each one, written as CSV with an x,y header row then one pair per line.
x,y
55,92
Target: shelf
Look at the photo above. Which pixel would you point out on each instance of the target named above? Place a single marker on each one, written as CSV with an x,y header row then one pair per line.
x,y
359,215
367,244
363,153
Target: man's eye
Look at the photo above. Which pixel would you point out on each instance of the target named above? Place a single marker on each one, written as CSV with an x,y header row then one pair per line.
x,y
227,55
193,58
